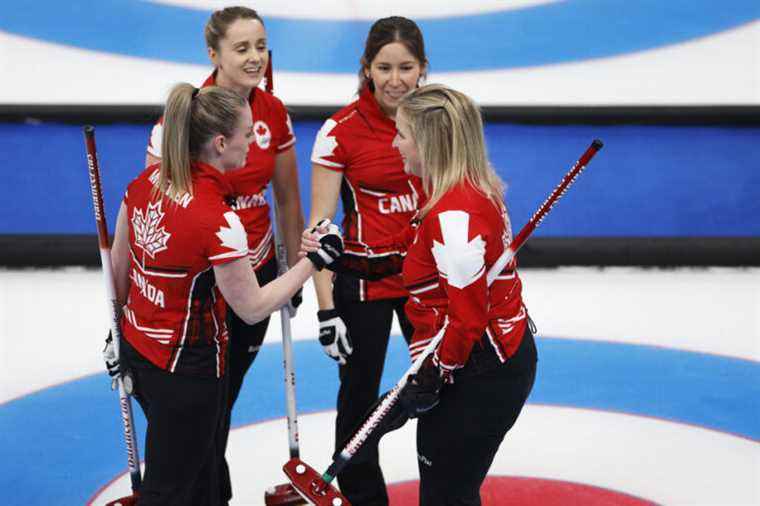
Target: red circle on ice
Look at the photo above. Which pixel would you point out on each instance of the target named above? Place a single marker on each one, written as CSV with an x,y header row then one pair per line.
x,y
520,491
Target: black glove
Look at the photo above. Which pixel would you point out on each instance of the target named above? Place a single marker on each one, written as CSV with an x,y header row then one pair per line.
x,y
111,360
333,335
422,390
331,245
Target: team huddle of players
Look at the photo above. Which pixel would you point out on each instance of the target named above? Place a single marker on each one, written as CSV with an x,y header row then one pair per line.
x,y
195,267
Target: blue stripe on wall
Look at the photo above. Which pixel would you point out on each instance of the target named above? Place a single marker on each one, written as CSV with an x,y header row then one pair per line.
x,y
647,181
568,31
64,442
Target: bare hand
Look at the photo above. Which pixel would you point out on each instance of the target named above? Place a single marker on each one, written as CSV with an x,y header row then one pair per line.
x,y
309,243
310,238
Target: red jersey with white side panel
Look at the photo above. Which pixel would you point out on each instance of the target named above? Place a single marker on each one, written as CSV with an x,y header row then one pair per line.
x,y
175,314
273,134
378,197
445,272
447,258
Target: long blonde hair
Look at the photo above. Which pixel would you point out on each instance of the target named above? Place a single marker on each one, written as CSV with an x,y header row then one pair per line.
x,y
191,118
448,131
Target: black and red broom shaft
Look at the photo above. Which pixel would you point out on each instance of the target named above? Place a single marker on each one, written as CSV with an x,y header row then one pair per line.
x,y
125,403
269,85
569,178
95,187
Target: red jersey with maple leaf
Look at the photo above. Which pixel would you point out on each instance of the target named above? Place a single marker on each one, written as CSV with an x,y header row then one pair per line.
x,y
447,258
273,134
175,314
378,197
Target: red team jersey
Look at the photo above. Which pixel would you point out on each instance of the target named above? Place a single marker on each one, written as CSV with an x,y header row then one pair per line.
x,y
378,197
273,134
175,315
448,255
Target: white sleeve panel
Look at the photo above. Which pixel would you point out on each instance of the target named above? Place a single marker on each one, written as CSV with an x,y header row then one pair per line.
x,y
326,147
154,144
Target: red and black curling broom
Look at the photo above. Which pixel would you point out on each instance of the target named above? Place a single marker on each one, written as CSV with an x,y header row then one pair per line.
x,y
316,488
114,312
284,494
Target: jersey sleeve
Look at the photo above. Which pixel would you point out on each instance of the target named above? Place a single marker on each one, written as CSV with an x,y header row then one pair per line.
x,y
328,151
458,243
154,141
226,239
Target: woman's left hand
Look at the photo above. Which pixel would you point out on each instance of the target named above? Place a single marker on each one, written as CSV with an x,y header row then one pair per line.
x,y
422,391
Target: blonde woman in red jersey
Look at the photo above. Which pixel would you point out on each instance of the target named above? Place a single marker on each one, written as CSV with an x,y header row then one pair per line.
x,y
178,249
469,393
353,160
237,46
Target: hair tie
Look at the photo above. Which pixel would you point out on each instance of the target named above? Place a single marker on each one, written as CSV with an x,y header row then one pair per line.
x,y
195,93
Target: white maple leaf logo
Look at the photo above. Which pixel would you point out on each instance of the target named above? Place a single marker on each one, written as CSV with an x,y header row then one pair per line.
x,y
234,236
324,144
150,235
459,260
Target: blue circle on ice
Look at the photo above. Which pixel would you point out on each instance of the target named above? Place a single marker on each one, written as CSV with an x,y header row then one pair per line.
x,y
65,442
545,34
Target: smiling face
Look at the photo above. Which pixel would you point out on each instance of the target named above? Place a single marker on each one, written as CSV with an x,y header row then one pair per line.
x,y
241,58
407,147
394,71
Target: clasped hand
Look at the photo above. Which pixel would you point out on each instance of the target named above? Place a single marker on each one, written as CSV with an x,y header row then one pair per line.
x,y
321,244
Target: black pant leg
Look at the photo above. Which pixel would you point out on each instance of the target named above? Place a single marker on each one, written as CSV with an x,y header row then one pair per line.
x,y
184,416
458,440
369,324
407,330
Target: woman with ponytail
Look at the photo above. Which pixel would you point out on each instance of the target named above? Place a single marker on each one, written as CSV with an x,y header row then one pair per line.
x,y
180,256
237,44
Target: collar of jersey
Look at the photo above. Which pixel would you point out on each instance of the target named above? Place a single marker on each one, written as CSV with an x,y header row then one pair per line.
x,y
369,107
211,81
204,173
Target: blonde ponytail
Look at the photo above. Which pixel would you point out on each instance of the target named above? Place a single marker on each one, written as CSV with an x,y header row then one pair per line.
x,y
191,118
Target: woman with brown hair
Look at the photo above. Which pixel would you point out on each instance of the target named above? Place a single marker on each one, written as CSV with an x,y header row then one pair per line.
x,y
236,39
179,254
353,160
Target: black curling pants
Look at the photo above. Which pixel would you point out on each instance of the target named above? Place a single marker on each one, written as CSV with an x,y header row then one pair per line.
x,y
185,427
458,439
369,325
245,342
